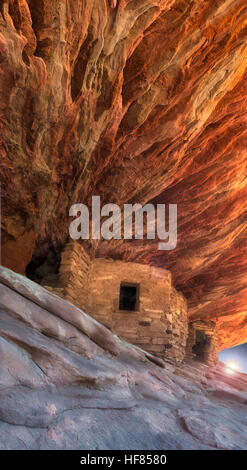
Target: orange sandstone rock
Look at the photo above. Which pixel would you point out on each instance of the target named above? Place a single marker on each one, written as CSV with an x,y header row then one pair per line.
x,y
144,102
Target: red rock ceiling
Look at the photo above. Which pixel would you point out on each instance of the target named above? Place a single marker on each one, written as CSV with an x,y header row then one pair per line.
x,y
138,101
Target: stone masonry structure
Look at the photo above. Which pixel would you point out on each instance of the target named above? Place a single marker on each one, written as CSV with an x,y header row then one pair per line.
x,y
135,301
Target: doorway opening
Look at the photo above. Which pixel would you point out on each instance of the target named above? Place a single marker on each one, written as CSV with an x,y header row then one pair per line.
x,y
202,346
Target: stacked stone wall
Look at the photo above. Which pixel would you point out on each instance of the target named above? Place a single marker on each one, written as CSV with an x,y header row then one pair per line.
x,y
159,325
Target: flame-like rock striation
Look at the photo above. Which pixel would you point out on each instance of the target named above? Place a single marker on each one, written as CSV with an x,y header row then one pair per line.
x,y
135,101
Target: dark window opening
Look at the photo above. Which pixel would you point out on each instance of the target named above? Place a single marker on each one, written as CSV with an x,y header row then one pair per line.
x,y
201,346
128,298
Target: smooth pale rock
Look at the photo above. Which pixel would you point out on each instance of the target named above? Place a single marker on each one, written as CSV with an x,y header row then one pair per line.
x,y
214,428
53,397
55,305
41,320
17,366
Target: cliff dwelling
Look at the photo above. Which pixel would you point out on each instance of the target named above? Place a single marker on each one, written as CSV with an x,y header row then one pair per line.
x,y
136,301
162,122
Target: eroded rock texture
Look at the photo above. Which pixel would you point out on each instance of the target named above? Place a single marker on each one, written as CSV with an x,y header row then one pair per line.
x,y
135,101
66,382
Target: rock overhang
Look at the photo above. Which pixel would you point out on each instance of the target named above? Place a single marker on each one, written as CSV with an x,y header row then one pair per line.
x,y
139,103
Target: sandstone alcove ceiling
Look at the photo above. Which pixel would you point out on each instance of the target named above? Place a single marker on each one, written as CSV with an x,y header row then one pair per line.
x,y
135,101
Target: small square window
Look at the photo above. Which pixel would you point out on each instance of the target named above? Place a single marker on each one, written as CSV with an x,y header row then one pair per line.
x,y
129,297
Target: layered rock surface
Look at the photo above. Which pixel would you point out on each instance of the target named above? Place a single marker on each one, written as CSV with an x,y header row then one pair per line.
x,y
66,382
135,101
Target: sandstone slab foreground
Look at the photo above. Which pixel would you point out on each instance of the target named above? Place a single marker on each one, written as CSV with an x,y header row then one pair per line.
x,y
66,382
